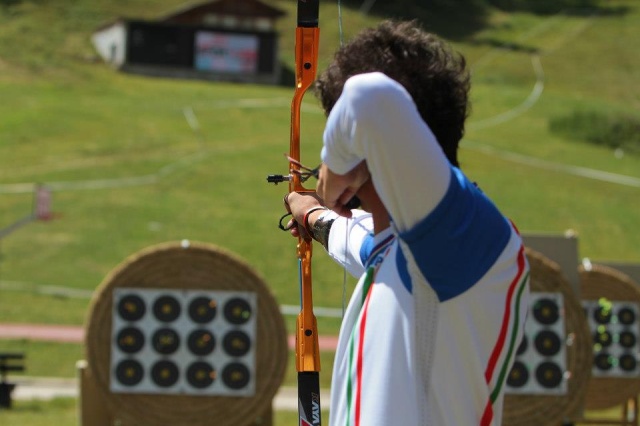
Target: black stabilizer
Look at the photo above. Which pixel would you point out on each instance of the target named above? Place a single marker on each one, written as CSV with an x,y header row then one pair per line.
x,y
309,397
308,12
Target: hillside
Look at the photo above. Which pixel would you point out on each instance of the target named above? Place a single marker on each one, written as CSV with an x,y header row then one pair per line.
x,y
127,170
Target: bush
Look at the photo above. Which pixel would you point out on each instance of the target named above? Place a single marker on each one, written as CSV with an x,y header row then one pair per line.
x,y
600,128
7,3
541,6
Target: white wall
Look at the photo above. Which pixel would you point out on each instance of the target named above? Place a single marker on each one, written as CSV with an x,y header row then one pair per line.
x,y
111,43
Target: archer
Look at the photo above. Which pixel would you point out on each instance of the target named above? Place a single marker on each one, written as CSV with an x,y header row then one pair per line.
x,y
431,329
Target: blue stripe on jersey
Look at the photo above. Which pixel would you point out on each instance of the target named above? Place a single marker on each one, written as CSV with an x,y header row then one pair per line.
x,y
403,271
366,248
457,243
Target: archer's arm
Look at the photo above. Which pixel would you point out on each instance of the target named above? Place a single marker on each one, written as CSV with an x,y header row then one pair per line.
x,y
376,121
342,239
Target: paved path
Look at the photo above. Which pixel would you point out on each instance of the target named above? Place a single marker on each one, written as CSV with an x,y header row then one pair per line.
x,y
46,388
43,332
75,334
43,388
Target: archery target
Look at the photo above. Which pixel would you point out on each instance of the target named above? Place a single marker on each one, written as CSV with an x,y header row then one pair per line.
x,y
615,330
540,365
183,342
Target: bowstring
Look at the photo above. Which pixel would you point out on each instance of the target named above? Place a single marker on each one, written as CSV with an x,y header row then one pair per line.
x,y
346,234
340,23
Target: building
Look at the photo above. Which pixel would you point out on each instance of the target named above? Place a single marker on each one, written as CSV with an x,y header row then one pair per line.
x,y
228,40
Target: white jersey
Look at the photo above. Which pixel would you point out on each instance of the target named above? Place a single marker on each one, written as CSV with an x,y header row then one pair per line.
x,y
432,328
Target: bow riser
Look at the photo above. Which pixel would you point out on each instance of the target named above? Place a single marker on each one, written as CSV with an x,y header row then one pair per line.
x,y
307,354
307,349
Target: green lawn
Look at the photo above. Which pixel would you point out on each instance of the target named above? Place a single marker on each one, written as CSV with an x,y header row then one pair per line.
x,y
128,172
74,123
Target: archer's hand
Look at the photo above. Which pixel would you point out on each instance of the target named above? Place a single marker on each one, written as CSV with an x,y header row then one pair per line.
x,y
337,190
298,204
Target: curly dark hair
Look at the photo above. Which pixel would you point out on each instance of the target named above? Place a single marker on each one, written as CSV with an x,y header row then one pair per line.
x,y
433,74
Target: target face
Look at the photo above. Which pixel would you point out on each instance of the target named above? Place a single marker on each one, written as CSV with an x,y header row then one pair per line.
x,y
183,342
615,331
540,360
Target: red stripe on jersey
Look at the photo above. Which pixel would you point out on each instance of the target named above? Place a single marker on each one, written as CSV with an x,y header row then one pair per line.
x,y
360,359
500,344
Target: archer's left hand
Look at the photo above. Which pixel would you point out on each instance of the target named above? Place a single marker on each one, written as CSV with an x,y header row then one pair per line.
x,y
299,204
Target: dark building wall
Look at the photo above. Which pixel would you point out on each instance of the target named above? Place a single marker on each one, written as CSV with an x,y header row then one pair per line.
x,y
174,48
154,44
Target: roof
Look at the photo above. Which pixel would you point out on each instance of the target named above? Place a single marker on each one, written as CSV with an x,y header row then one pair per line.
x,y
249,8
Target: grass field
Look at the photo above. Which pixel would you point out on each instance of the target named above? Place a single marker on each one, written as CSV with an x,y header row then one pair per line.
x,y
128,172
74,122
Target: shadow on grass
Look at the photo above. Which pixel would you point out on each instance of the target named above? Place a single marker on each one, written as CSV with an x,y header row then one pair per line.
x,y
451,19
567,7
506,45
460,20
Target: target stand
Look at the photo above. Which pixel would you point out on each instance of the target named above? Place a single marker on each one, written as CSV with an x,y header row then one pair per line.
x,y
611,301
552,366
180,334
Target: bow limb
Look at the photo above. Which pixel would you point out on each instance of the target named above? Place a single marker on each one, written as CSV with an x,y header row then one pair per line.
x,y
307,351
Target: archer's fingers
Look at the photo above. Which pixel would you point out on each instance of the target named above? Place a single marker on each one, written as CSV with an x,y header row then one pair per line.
x,y
297,231
286,203
294,231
